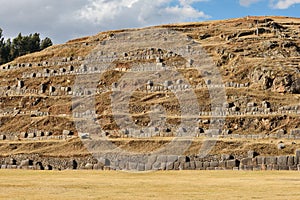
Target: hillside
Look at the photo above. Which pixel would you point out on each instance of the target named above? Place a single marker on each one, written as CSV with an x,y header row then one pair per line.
x,y
150,90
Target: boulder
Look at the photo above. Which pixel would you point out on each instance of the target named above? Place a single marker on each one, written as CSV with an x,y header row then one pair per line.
x,y
2,137
67,132
281,146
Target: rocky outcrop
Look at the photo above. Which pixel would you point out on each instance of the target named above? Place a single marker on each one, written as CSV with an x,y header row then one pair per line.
x,y
268,78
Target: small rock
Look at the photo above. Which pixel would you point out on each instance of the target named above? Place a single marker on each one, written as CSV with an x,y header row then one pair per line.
x,y
281,146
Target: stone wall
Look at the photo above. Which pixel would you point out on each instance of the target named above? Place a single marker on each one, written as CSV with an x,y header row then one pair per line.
x,y
153,162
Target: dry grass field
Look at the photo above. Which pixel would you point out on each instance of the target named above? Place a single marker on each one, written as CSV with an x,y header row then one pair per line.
x,y
21,184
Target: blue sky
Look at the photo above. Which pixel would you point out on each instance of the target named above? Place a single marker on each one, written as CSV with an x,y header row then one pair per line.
x,y
224,9
62,20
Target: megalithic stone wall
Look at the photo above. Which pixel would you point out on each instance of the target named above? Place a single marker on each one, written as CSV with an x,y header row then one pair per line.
x,y
155,162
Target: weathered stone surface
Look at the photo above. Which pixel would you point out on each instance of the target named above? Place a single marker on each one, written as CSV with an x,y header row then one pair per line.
x,y
176,165
214,164
251,154
297,156
67,132
206,164
162,159
26,162
271,160
192,165
89,166
261,160
230,164
141,167
170,166
199,165
281,146
282,160
23,135
172,158
133,165
246,161
2,137
291,161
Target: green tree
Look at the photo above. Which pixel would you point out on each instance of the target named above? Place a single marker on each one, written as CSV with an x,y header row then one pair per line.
x,y
17,46
21,45
2,44
34,43
46,43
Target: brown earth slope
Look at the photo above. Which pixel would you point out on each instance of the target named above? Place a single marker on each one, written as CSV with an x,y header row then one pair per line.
x,y
258,59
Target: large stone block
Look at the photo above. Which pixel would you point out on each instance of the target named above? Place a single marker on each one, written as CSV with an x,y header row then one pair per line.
x,y
222,164
261,160
24,135
141,167
162,159
104,161
251,154
206,164
298,156
67,132
170,166
89,166
12,161
26,162
293,168
246,161
271,160
199,165
254,161
163,166
282,160
187,166
280,167
183,159
98,166
2,137
172,158
132,165
148,166
192,165
176,165
31,135
291,161
214,164
152,159
230,164
156,166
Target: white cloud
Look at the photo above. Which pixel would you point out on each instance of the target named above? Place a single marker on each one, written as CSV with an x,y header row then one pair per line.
x,y
52,18
62,20
275,4
134,13
283,4
247,3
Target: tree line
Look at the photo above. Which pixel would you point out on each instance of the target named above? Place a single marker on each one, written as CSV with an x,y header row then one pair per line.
x,y
21,45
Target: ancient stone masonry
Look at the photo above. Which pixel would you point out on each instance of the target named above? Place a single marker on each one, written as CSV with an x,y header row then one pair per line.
x,y
154,162
44,135
258,59
85,114
53,62
237,85
295,132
